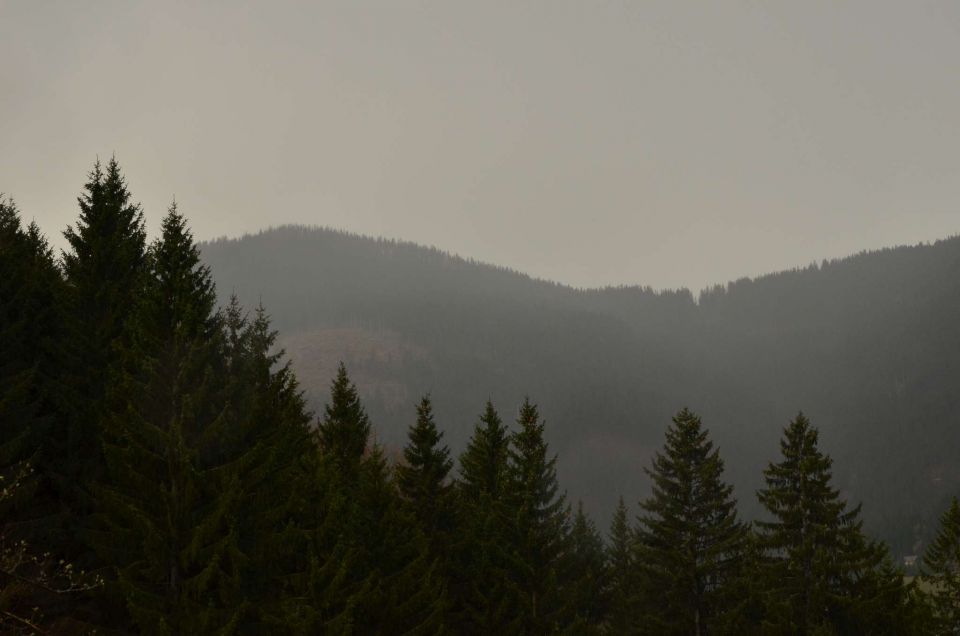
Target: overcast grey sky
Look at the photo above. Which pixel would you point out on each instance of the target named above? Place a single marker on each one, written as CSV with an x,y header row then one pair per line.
x,y
663,143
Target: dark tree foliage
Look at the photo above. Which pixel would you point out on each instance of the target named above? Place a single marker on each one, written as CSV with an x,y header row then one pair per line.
x,y
820,571
104,269
586,578
406,593
30,335
622,615
941,571
345,427
689,541
422,479
868,342
166,443
540,517
36,588
169,503
484,598
425,488
270,449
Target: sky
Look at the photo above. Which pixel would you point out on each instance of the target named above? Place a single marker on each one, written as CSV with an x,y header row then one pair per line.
x,y
593,143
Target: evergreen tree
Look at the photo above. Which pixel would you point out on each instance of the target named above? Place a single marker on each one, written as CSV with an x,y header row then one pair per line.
x,y
406,592
31,338
540,525
345,427
483,463
485,599
689,539
585,577
104,270
332,589
422,480
941,571
821,572
29,334
169,504
270,449
621,616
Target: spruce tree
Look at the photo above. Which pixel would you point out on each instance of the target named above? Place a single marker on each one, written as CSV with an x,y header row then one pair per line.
x,y
483,463
104,269
31,339
621,615
540,516
405,588
422,479
689,540
29,329
485,599
394,585
941,571
269,449
168,506
585,578
345,428
821,572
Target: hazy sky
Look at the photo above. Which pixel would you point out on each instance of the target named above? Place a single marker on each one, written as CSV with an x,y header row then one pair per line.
x,y
665,143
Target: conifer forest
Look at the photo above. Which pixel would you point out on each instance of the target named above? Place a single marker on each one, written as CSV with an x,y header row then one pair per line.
x,y
163,472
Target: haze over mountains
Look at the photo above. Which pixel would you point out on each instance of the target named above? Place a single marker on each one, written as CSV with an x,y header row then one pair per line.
x,y
867,346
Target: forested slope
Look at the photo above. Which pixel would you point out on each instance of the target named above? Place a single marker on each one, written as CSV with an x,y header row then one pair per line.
x,y
868,346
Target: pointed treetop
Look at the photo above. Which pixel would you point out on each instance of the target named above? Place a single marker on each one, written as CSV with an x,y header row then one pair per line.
x,y
483,463
345,428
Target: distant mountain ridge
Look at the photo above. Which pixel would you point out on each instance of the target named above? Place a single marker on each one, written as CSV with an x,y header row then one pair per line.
x,y
868,346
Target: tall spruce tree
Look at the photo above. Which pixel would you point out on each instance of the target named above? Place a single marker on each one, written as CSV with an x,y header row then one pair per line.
x,y
345,428
394,585
585,578
941,571
540,517
31,339
30,335
621,614
269,449
422,479
689,540
485,599
483,464
104,269
168,506
821,572
406,592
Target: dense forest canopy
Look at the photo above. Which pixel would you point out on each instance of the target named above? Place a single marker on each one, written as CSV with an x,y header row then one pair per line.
x,y
163,471
868,345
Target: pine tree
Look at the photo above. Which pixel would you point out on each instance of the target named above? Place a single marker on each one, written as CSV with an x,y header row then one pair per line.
x,y
586,577
345,427
689,539
169,505
104,270
483,464
406,592
333,588
31,337
269,449
941,571
621,616
540,525
485,600
25,308
422,480
821,572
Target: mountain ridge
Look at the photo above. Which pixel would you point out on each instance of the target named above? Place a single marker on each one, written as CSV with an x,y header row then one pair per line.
x,y
867,338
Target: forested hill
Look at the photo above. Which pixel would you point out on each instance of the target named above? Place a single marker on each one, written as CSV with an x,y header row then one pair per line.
x,y
867,346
